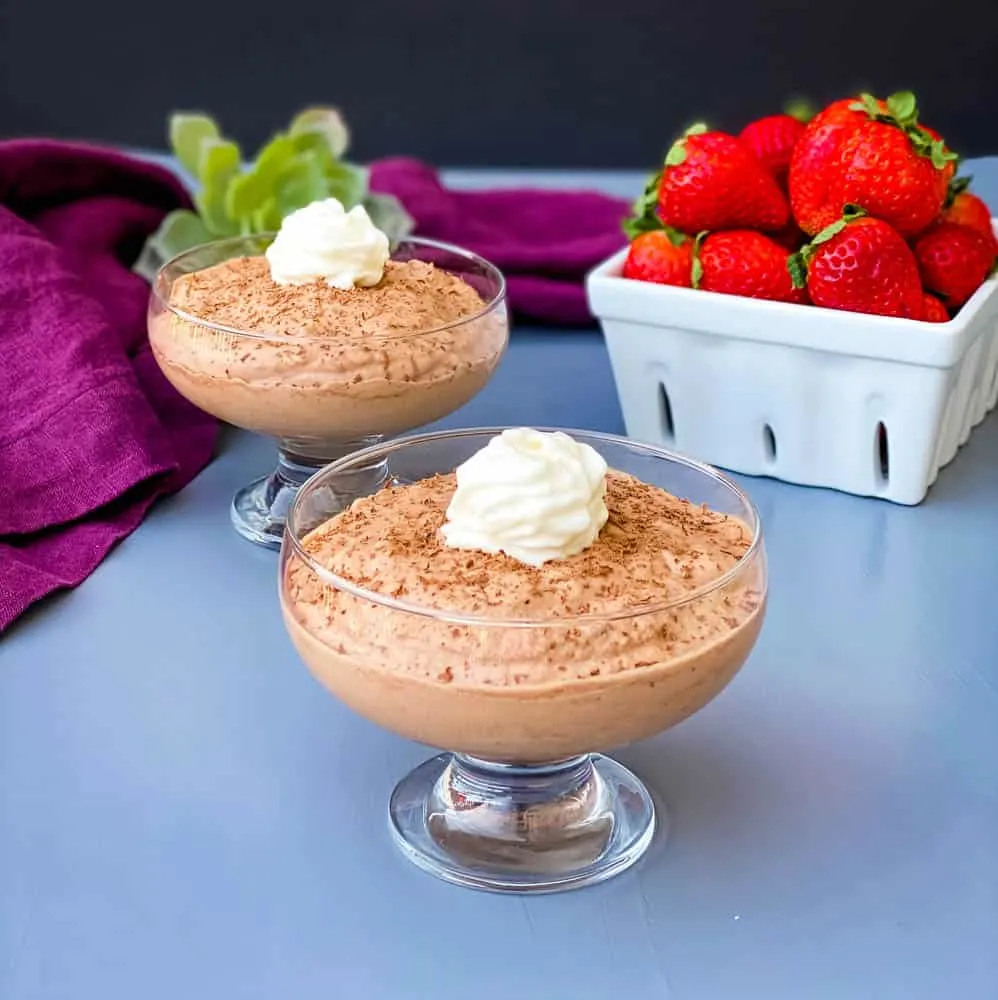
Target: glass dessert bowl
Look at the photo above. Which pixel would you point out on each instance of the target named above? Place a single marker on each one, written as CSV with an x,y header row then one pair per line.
x,y
324,370
523,673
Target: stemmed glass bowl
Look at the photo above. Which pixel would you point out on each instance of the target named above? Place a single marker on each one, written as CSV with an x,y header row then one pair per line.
x,y
522,799
323,397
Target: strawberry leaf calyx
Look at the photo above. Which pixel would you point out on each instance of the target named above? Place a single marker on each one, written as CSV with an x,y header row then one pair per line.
x,y
696,268
869,104
901,111
903,107
644,212
956,187
927,145
800,108
797,262
677,151
797,266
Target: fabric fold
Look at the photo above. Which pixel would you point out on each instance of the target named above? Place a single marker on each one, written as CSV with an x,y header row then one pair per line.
x,y
91,434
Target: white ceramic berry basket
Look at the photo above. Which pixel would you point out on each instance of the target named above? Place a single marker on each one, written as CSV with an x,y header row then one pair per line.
x,y
869,405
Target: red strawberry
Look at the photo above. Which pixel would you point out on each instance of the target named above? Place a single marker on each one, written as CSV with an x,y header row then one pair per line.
x,y
861,264
816,149
933,311
891,166
967,209
656,256
954,261
743,262
772,139
711,181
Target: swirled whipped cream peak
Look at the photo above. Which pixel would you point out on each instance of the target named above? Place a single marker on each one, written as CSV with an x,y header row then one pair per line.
x,y
324,242
533,495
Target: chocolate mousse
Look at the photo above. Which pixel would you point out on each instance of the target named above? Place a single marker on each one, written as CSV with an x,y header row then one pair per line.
x,y
313,360
510,661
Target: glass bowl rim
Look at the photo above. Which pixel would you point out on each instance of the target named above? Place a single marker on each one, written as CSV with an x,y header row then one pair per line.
x,y
493,272
384,449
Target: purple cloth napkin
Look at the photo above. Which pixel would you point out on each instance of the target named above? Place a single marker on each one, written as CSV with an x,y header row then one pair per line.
x,y
544,241
90,431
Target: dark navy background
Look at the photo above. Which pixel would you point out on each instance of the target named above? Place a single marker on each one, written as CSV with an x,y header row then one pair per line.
x,y
481,82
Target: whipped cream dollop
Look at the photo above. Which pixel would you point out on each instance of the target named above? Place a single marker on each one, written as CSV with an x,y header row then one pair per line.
x,y
535,496
324,242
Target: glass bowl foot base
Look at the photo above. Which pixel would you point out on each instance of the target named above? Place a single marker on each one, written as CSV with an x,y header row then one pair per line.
x,y
511,828
260,510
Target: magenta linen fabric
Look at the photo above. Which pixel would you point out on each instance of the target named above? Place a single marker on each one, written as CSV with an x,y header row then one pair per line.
x,y
544,241
91,434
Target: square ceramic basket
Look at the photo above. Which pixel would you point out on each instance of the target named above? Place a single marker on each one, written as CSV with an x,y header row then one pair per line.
x,y
869,405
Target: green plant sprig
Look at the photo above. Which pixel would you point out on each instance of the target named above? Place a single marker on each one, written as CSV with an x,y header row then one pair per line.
x,y
300,165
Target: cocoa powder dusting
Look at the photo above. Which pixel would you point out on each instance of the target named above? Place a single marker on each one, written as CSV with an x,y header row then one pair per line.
x,y
413,296
653,549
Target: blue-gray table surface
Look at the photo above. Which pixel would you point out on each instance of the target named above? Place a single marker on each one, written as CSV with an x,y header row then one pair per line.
x,y
184,812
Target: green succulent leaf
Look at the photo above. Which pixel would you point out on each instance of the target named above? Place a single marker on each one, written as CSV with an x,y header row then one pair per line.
x,y
346,182
273,160
301,183
186,131
267,218
328,123
218,160
179,231
248,191
313,141
389,215
210,203
244,195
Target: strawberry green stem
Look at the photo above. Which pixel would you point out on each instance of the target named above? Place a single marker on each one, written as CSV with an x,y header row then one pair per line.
x,y
696,268
800,108
797,262
956,186
902,113
644,212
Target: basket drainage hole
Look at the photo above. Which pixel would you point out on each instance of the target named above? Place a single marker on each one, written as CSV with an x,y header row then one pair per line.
x,y
665,414
882,447
769,443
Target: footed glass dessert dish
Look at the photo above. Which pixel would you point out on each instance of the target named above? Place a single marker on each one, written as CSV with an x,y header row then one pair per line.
x,y
524,670
325,371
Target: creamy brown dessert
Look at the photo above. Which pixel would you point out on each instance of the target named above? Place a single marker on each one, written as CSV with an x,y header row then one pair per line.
x,y
559,685
315,361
